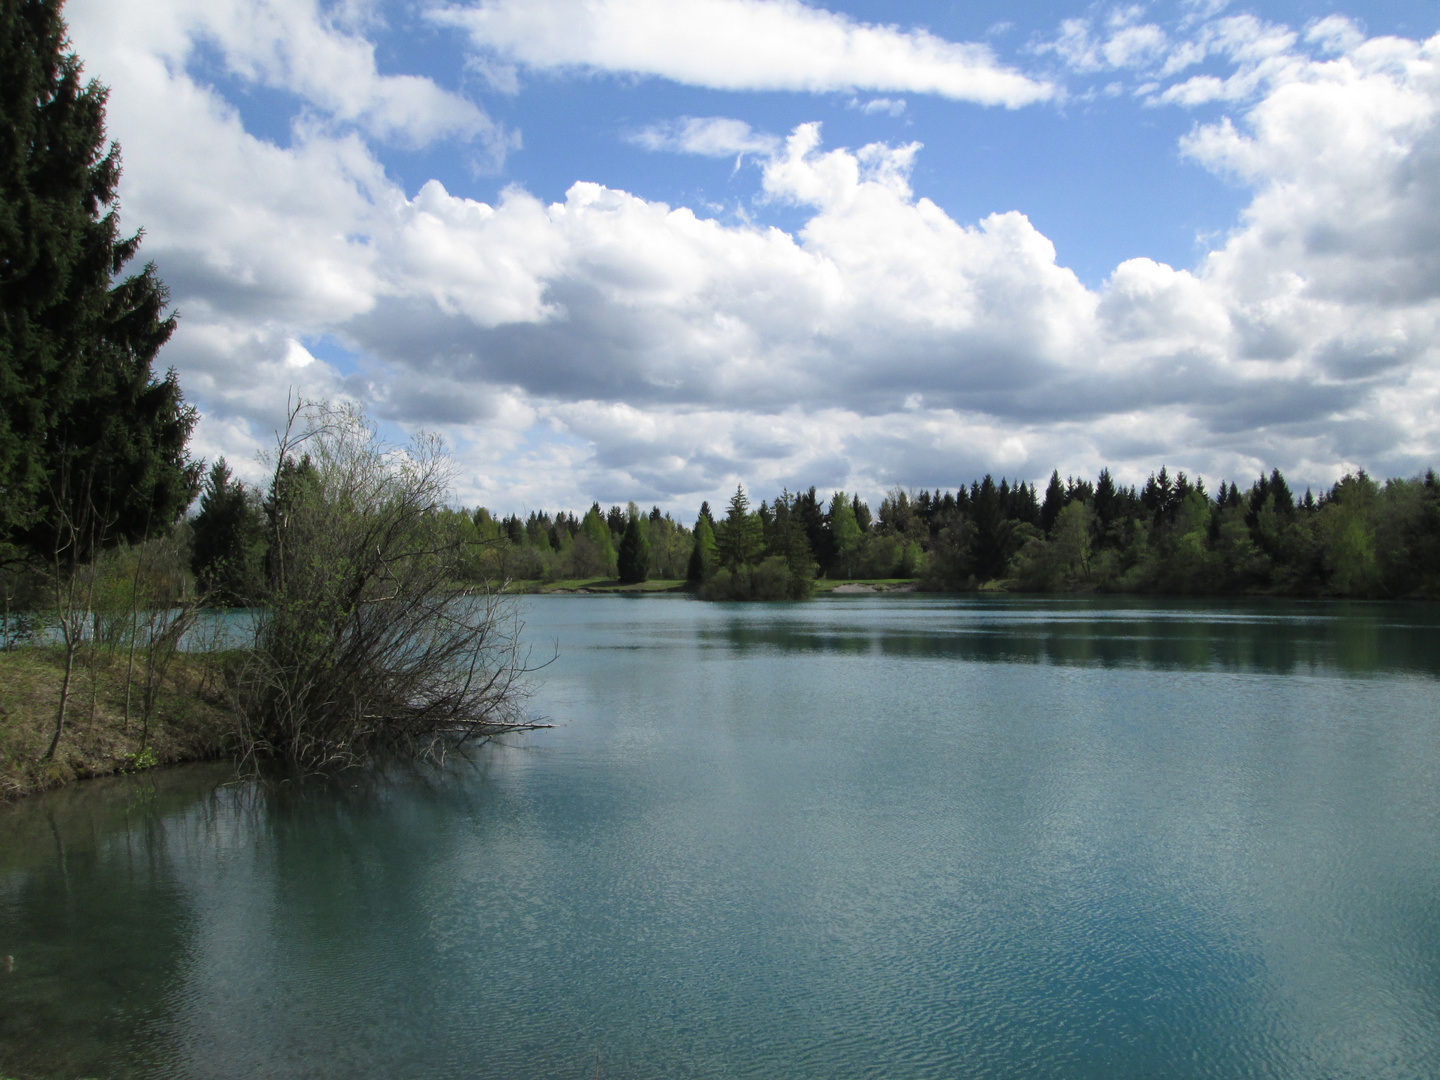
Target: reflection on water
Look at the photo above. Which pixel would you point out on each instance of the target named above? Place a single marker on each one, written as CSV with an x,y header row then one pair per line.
x,y
92,913
878,836
1282,636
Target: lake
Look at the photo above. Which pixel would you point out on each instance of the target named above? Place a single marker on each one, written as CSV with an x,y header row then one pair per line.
x,y
875,836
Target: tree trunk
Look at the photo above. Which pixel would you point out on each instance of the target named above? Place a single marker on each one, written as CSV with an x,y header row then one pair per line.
x,y
64,696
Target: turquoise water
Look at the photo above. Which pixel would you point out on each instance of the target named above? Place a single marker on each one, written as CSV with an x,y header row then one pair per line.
x,y
888,836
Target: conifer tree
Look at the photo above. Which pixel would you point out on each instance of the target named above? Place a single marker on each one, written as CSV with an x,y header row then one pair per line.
x,y
1106,499
789,542
634,556
86,431
739,539
703,556
615,520
226,537
992,530
809,509
1054,502
862,515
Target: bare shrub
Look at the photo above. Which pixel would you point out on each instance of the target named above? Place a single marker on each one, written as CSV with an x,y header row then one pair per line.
x,y
369,637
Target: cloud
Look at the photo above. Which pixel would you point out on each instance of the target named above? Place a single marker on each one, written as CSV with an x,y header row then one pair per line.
x,y
1257,56
292,45
1121,44
1345,161
606,345
738,45
1264,55
886,317
888,106
708,136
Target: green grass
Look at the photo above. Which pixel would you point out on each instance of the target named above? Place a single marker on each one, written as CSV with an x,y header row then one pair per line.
x,y
612,585
825,585
594,585
998,585
189,721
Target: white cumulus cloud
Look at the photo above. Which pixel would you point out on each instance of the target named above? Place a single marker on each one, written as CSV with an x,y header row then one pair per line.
x,y
290,45
610,346
739,45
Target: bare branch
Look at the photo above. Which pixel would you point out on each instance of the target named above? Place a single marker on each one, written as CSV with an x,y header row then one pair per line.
x,y
367,643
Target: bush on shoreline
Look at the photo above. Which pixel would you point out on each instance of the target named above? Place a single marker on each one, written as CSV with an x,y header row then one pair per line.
x,y
363,642
370,633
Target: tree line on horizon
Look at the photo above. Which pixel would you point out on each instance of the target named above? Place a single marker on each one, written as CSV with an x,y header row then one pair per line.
x,y
1361,538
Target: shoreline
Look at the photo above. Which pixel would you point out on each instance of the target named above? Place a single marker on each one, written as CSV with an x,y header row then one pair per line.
x,y
187,718
663,586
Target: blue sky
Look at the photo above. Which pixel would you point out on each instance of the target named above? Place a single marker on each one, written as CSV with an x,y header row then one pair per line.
x,y
626,249
1102,178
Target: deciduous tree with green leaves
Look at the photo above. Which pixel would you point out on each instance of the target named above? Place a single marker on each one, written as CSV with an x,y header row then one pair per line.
x,y
845,533
595,530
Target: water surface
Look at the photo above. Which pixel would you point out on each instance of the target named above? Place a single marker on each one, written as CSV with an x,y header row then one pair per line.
x,y
878,836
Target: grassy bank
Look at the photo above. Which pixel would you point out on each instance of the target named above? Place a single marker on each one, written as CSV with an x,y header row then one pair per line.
x,y
863,585
594,585
186,719
600,585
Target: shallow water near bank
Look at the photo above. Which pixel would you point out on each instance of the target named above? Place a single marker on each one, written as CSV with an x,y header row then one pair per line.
x,y
888,836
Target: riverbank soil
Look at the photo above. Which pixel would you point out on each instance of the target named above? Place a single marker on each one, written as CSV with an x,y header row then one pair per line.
x,y
187,718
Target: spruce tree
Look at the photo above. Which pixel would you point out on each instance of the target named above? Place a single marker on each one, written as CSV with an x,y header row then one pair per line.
x,y
789,542
739,539
1107,499
226,538
862,515
991,529
809,508
87,434
1055,500
634,555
